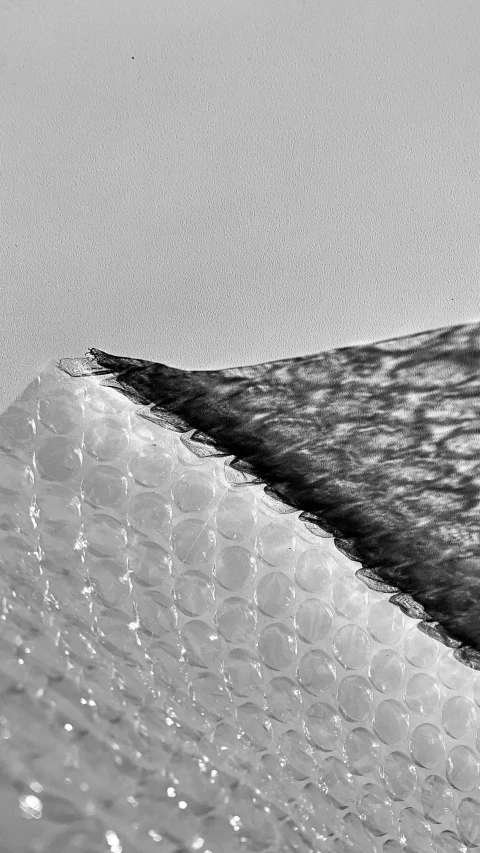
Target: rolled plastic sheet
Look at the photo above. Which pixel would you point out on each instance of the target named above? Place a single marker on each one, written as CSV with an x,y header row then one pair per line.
x,y
239,608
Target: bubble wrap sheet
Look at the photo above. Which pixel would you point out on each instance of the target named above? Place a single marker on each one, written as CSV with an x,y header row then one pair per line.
x,y
186,668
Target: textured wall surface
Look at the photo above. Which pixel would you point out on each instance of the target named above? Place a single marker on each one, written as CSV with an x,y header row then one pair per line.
x,y
232,181
186,668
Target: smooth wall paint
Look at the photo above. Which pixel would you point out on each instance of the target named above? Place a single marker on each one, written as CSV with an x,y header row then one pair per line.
x,y
225,182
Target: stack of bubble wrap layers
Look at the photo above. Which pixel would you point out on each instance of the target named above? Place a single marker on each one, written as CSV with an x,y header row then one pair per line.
x,y
186,668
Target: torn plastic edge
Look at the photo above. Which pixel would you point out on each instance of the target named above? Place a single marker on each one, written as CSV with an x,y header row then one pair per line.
x,y
241,473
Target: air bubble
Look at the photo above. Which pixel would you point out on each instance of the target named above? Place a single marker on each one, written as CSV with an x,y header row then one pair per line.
x,y
415,829
243,672
236,620
152,566
422,694
337,782
105,439
58,504
391,722
149,514
212,694
104,486
459,716
58,459
194,593
254,725
362,751
276,544
150,466
193,492
257,823
105,402
376,810
105,535
386,622
313,621
351,647
462,768
193,541
427,746
60,411
108,586
17,429
235,567
387,671
316,672
155,619
419,649
355,698
313,572
277,646
452,673
274,594
399,776
202,643
235,519
323,726
283,699
468,821
449,842
437,798
349,596
296,755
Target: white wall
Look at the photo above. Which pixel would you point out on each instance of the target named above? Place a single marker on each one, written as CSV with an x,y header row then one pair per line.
x,y
228,181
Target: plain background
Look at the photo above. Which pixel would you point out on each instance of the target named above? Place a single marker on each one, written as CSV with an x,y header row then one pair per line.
x,y
211,183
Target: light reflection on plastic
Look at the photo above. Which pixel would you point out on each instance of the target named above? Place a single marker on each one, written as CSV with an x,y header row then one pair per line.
x,y
31,806
113,841
155,835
